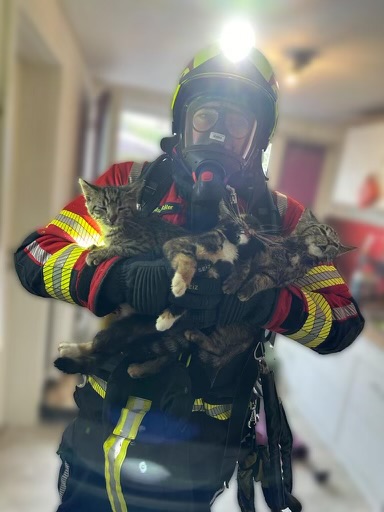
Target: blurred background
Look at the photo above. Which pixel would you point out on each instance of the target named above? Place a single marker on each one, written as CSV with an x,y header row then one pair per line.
x,y
84,83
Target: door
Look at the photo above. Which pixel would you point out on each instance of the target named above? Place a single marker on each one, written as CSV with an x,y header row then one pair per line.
x,y
301,172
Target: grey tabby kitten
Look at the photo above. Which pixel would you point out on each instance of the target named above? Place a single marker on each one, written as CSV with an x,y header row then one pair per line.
x,y
280,261
125,232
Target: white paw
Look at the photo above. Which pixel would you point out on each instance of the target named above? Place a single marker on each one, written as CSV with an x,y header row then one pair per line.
x,y
179,286
69,350
165,321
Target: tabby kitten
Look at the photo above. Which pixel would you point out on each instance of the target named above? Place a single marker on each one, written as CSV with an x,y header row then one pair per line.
x,y
280,261
127,233
149,350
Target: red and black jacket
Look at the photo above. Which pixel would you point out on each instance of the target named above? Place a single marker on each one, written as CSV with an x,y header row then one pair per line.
x,y
317,311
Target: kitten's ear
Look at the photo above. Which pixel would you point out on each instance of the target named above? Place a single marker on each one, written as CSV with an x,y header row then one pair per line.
x,y
343,249
87,188
307,216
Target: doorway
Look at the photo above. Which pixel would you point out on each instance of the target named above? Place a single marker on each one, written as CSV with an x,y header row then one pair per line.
x,y
301,171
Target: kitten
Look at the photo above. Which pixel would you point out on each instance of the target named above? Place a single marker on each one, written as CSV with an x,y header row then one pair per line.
x,y
149,350
127,233
280,261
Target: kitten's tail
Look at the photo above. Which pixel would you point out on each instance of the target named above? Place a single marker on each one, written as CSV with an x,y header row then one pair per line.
x,y
83,364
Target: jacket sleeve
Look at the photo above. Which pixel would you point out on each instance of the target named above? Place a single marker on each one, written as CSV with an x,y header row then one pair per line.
x,y
51,261
318,310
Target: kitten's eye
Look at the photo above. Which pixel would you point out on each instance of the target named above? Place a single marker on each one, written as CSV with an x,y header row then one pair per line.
x,y
99,209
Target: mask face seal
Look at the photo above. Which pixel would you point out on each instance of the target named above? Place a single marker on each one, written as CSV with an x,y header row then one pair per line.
x,y
218,131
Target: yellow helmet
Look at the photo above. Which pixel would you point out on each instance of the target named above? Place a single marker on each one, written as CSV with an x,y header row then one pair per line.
x,y
250,82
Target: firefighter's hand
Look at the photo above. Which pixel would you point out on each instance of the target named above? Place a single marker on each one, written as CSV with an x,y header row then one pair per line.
x,y
256,311
145,284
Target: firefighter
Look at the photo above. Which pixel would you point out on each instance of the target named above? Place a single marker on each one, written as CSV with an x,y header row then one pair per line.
x,y
169,441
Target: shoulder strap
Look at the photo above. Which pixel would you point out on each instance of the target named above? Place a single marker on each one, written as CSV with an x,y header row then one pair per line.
x,y
268,213
157,178
135,172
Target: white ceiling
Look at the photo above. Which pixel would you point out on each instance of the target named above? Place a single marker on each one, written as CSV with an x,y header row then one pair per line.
x,y
147,43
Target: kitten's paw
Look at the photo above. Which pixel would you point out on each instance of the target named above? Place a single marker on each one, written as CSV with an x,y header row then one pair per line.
x,y
230,285
93,258
165,320
179,286
69,350
135,371
192,335
246,292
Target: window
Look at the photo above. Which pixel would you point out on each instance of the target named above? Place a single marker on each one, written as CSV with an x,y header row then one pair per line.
x,y
139,136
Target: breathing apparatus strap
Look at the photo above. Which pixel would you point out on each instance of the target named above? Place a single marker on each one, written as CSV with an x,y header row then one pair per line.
x,y
266,212
157,177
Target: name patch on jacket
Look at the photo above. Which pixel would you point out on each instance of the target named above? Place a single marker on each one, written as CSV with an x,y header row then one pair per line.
x,y
167,208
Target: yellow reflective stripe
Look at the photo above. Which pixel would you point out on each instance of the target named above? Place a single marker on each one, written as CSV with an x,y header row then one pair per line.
x,y
116,446
57,272
217,411
324,284
318,324
319,277
204,55
98,385
77,228
308,326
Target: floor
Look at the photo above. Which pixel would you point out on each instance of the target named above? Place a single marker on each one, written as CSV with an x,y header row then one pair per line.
x,y
29,465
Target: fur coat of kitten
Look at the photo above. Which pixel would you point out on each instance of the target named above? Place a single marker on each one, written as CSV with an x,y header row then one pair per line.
x,y
280,260
148,351
265,261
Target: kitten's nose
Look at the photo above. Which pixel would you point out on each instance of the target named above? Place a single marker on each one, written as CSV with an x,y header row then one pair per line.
x,y
112,218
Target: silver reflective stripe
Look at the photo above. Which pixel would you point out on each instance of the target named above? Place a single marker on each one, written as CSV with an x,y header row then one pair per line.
x,y
63,480
38,253
344,312
282,203
321,276
135,172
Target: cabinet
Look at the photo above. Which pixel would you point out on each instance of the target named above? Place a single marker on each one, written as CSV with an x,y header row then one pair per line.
x,y
342,397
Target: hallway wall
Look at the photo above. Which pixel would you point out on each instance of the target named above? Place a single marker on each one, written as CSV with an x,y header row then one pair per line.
x,y
44,82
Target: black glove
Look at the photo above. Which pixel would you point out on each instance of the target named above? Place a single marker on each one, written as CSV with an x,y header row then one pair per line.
x,y
256,311
145,284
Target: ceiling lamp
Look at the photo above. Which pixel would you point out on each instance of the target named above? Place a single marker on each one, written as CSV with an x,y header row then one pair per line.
x,y
299,58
